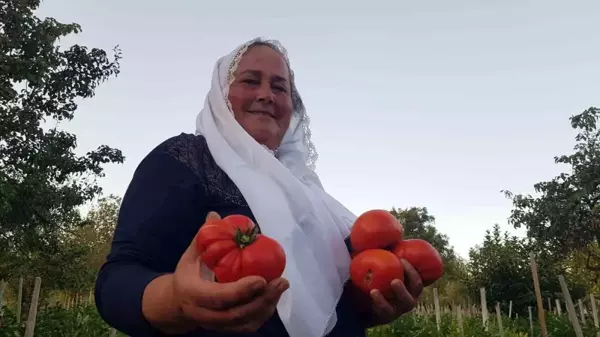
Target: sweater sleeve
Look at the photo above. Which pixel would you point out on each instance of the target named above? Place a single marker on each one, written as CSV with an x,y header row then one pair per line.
x,y
158,219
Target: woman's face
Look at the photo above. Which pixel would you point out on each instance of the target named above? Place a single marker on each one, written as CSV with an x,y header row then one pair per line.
x,y
260,95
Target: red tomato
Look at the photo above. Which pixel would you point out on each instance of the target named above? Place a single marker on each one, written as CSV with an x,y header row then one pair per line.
x,y
375,229
376,269
232,248
423,257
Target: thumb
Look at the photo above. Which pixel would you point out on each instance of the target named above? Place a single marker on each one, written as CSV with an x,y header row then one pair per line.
x,y
191,253
212,216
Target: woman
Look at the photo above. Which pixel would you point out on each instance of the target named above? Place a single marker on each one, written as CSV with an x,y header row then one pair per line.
x,y
251,155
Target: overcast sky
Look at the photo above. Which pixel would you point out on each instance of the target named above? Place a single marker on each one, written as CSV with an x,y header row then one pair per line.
x,y
431,103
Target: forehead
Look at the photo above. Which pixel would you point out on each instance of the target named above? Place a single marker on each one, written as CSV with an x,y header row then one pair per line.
x,y
264,59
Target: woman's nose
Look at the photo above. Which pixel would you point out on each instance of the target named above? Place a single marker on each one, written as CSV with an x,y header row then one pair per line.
x,y
265,93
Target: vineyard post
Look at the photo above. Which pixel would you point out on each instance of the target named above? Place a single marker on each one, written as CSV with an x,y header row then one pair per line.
x,y
499,317
510,309
484,311
570,308
460,321
30,325
436,303
595,313
558,308
581,311
530,320
19,300
113,332
538,295
549,304
2,288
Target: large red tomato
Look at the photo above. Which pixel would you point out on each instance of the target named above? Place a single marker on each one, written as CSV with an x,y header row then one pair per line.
x,y
232,248
375,229
423,257
376,269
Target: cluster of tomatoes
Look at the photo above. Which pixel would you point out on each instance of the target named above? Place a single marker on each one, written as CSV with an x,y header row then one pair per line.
x,y
233,248
377,246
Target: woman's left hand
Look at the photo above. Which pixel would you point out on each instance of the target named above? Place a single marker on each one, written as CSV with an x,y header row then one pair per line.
x,y
385,311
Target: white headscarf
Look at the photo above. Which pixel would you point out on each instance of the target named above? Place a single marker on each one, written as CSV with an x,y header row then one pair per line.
x,y
287,199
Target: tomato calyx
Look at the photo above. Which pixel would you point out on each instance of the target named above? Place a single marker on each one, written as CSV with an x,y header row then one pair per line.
x,y
368,277
244,238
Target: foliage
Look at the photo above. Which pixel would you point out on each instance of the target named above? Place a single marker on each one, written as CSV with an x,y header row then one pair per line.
x,y
418,223
564,217
42,180
502,265
56,321
425,326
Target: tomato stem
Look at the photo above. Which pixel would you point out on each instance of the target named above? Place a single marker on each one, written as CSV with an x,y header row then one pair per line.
x,y
245,238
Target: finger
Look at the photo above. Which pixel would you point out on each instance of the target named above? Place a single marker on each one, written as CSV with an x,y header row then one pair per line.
x,y
191,254
212,216
403,302
271,297
244,316
222,296
412,279
381,307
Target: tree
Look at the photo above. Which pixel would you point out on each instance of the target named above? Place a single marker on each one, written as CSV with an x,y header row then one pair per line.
x,y
564,218
42,180
418,223
501,264
97,235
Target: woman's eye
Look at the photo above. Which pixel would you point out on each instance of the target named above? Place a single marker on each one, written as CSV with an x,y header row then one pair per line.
x,y
280,88
251,81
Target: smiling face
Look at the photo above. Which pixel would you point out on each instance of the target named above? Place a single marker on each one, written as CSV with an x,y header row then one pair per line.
x,y
260,95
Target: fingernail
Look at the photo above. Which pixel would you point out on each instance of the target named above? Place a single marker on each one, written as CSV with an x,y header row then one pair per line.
x,y
257,286
282,286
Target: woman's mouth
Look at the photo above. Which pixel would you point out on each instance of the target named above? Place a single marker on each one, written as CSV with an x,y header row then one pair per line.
x,y
263,113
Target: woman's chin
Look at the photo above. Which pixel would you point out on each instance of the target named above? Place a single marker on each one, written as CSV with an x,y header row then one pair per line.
x,y
267,137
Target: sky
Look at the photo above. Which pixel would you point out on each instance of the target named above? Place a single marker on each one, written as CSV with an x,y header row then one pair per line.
x,y
440,104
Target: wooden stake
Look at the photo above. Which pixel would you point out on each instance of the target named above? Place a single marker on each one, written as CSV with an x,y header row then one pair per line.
x,y
460,320
484,311
570,308
581,311
436,303
530,320
594,313
558,307
30,325
2,288
19,300
538,295
499,317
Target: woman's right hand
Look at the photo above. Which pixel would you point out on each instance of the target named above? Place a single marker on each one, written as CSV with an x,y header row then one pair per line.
x,y
193,302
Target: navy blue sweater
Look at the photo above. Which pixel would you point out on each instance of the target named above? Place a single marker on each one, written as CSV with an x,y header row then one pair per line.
x,y
168,199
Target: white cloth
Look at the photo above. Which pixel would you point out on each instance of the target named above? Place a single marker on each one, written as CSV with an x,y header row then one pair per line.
x,y
289,203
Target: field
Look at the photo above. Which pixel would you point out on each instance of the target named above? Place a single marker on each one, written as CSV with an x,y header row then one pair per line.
x,y
83,320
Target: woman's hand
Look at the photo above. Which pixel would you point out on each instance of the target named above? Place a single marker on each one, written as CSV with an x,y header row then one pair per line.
x,y
193,302
406,296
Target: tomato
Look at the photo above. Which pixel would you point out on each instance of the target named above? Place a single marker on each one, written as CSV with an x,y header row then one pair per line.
x,y
375,229
232,248
376,269
423,257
